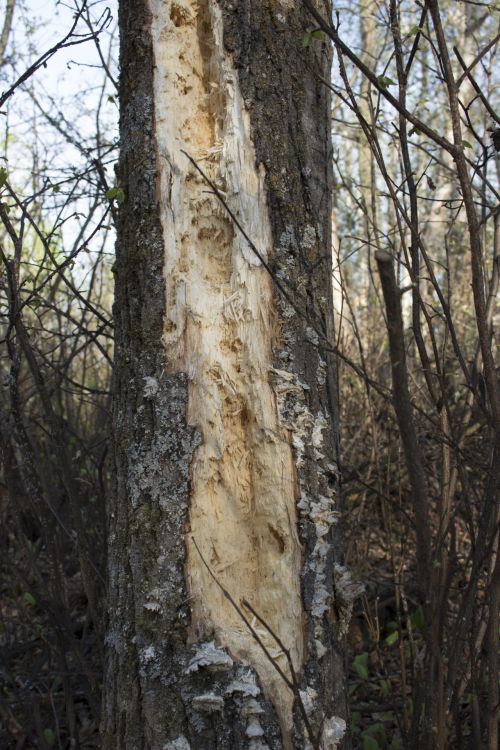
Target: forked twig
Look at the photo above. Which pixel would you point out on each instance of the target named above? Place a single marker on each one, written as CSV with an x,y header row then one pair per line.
x,y
292,684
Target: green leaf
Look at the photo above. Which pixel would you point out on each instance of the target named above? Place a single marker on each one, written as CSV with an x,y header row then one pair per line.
x,y
360,665
377,734
306,41
384,81
392,638
355,720
466,144
29,598
370,743
384,686
417,618
410,706
3,176
375,729
49,737
116,192
310,35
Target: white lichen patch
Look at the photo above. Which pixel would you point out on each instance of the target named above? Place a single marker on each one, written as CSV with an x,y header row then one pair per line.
x,y
308,698
293,412
254,728
322,372
180,743
309,237
312,336
245,685
149,661
244,691
320,648
307,429
320,424
154,599
208,656
220,329
347,591
150,387
323,514
148,654
333,731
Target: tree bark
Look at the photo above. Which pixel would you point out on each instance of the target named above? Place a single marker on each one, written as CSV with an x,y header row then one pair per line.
x,y
225,412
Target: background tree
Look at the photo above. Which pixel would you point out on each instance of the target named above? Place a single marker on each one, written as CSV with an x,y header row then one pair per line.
x,y
423,483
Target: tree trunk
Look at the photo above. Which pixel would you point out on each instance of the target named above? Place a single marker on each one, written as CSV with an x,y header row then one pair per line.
x,y
225,418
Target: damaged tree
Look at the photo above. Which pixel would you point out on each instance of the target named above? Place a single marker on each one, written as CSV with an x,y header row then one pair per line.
x,y
226,597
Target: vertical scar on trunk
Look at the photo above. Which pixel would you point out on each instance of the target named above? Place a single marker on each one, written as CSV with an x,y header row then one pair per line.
x,y
220,329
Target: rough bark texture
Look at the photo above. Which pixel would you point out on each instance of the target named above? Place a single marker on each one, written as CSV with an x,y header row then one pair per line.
x,y
225,421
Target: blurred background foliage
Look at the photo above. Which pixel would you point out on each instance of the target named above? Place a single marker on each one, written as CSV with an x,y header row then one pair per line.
x,y
58,127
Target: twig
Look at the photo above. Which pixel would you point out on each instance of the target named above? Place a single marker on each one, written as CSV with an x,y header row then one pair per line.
x,y
291,684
